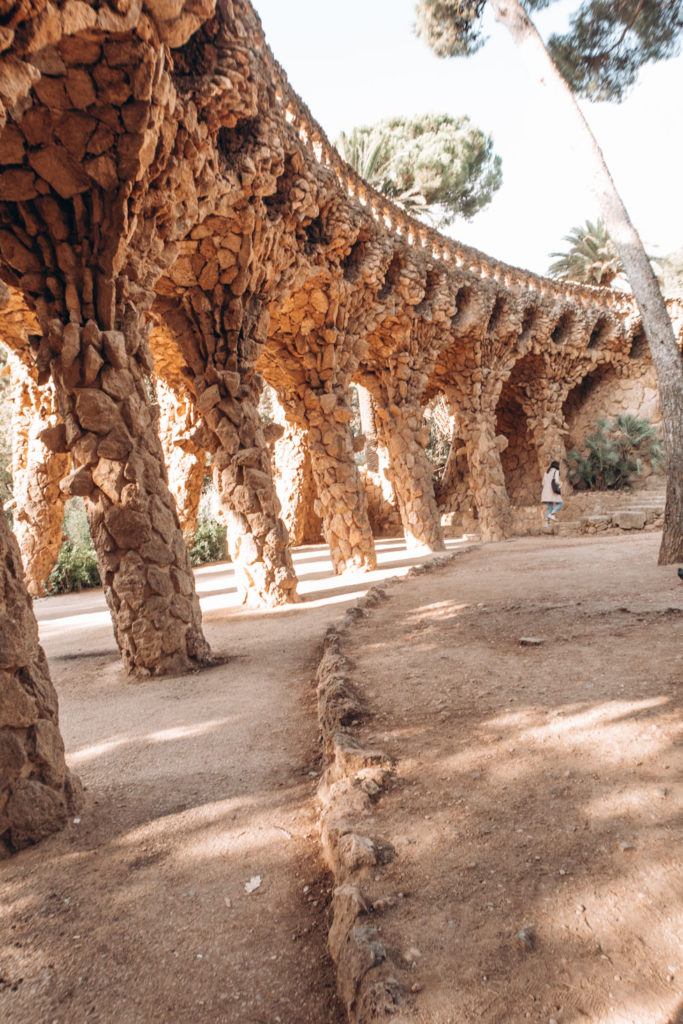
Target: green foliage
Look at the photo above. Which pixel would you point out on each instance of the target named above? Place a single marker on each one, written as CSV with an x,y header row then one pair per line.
x,y
599,57
608,43
452,28
433,165
76,567
592,257
208,543
614,454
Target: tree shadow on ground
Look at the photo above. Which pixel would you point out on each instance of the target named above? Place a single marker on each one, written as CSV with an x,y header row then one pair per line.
x,y
535,786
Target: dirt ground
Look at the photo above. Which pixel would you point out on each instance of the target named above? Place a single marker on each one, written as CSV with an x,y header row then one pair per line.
x,y
197,787
536,806
535,787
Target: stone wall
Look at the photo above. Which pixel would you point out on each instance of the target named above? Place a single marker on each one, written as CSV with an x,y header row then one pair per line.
x,y
610,392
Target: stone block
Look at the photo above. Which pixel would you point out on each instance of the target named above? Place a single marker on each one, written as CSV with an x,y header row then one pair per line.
x,y
95,410
629,520
49,751
12,759
35,811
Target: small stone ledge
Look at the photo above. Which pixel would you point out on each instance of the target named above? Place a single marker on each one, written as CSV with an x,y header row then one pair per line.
x,y
353,779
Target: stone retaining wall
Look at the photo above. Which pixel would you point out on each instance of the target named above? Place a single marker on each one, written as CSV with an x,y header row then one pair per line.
x,y
353,779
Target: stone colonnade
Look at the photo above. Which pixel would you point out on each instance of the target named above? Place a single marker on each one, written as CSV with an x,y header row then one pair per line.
x,y
155,164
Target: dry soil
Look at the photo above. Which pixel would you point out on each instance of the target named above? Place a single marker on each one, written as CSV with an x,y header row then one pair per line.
x,y
536,787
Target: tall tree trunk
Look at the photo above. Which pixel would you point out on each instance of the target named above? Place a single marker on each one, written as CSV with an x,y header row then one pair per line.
x,y
656,323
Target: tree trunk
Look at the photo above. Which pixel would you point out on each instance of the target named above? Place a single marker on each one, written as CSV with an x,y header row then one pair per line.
x,y
656,323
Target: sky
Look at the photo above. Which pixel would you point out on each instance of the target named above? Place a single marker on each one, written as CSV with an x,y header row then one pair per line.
x,y
358,61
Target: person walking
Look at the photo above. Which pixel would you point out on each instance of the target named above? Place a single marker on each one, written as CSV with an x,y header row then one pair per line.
x,y
551,494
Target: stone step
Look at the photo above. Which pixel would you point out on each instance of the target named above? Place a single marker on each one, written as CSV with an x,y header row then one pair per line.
x,y
564,528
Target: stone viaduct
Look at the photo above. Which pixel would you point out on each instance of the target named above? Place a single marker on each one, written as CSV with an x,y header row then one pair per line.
x,y
169,209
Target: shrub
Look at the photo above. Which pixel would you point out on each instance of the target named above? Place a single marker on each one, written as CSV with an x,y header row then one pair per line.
x,y
76,567
208,543
615,453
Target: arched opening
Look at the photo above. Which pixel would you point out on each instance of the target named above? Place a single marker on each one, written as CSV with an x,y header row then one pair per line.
x,y
391,277
599,334
464,305
639,346
432,284
500,309
352,262
562,330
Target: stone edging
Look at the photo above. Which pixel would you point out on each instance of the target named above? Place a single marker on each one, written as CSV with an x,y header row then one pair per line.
x,y
353,778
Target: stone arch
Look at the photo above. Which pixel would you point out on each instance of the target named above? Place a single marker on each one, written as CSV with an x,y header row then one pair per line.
x,y
562,331
600,333
391,277
352,263
608,391
499,312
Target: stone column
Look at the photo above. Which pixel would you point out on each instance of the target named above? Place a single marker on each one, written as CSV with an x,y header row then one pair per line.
x,y
318,336
404,435
89,217
39,462
369,427
257,537
38,794
341,498
185,459
474,410
295,483
487,478
542,402
226,391
324,417
453,491
118,468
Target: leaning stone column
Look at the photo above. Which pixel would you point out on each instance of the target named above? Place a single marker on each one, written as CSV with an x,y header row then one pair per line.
x,y
39,463
118,468
257,537
542,403
487,477
475,416
185,459
341,502
404,435
294,482
37,791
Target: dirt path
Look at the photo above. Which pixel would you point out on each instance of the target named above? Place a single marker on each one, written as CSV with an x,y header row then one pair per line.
x,y
536,807
197,787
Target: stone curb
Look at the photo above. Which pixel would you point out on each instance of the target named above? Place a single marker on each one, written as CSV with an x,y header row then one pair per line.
x,y
353,779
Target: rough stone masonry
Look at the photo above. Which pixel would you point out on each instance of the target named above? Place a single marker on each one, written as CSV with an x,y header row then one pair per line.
x,y
163,188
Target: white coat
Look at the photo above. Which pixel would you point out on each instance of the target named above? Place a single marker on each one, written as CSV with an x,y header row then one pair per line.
x,y
548,494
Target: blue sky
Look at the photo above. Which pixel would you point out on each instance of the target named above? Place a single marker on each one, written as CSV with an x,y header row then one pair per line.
x,y
356,62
